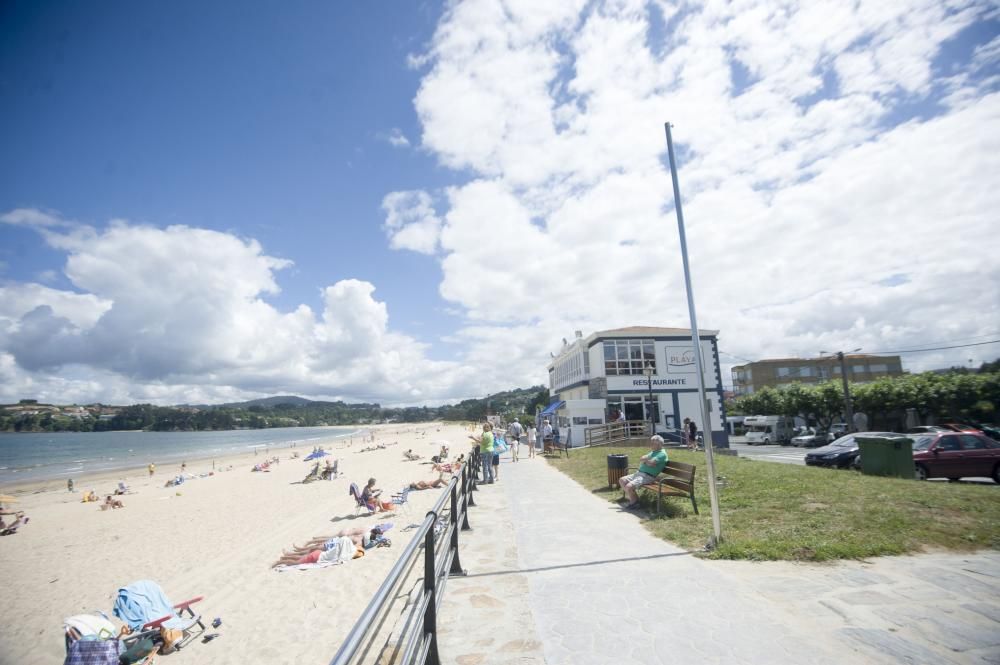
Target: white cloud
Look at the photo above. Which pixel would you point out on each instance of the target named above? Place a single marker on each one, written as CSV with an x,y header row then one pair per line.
x,y
395,137
802,189
177,315
411,222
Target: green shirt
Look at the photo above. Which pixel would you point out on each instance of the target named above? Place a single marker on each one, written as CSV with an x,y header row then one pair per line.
x,y
486,443
656,462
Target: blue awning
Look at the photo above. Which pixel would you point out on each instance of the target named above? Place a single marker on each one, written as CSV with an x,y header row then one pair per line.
x,y
552,408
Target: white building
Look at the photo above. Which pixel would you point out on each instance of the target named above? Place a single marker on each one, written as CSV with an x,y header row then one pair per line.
x,y
594,379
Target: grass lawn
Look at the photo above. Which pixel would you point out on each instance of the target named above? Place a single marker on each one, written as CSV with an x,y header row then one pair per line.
x,y
783,511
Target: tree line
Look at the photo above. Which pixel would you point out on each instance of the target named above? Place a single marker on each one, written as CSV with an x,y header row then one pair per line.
x,y
954,396
256,416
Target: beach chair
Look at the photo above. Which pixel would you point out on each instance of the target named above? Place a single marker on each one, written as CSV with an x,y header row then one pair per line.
x,y
402,499
355,492
143,607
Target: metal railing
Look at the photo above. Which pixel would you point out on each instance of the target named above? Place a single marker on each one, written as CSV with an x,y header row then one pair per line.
x,y
417,638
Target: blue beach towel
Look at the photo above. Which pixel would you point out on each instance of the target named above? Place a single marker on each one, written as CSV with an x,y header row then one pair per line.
x,y
141,602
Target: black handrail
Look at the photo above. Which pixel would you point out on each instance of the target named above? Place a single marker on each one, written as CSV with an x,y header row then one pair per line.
x,y
420,645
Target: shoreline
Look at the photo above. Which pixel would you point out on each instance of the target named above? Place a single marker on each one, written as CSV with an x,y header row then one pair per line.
x,y
37,485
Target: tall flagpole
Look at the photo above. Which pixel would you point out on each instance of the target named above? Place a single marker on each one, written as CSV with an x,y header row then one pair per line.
x,y
713,492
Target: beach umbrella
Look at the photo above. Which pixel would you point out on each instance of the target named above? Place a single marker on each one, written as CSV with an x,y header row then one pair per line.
x,y
7,498
314,455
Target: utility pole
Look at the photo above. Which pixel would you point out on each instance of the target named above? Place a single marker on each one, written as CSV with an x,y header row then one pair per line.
x,y
848,410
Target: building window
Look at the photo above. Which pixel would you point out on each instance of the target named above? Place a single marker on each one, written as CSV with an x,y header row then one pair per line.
x,y
625,357
858,369
878,368
784,371
805,371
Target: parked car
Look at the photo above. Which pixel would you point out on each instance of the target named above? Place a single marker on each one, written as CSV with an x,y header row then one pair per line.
x,y
810,439
927,429
955,455
842,453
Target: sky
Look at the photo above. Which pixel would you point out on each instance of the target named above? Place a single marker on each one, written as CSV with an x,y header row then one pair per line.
x,y
414,203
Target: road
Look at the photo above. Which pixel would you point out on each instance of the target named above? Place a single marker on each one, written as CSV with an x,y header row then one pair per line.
x,y
770,453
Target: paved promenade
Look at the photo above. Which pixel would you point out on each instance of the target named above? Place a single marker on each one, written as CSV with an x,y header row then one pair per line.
x,y
562,577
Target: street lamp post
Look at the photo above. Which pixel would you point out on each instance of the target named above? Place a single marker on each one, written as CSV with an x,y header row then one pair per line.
x,y
713,490
649,370
848,408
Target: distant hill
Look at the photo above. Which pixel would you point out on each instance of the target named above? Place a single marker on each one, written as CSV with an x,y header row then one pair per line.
x,y
268,402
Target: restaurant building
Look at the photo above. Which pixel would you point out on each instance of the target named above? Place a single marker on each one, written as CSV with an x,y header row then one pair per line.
x,y
593,379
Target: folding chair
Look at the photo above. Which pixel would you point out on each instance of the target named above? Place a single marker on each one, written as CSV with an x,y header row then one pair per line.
x,y
143,606
356,493
402,499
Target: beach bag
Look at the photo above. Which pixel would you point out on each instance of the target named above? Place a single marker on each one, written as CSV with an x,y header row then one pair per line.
x,y
500,447
170,637
137,652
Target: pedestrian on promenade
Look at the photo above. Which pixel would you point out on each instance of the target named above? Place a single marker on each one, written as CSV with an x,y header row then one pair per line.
x,y
485,441
531,441
650,466
692,433
514,432
546,434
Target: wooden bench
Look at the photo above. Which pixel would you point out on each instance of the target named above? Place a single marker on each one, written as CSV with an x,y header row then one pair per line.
x,y
676,479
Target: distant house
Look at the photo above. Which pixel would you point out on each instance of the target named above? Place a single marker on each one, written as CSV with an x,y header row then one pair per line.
x,y
783,372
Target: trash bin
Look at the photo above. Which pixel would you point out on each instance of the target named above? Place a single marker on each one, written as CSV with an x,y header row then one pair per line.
x,y
886,456
617,465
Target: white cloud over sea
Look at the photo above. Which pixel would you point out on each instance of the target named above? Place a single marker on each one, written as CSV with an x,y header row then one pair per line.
x,y
179,314
838,167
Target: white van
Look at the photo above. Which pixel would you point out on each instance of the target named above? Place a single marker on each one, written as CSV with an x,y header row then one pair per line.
x,y
769,429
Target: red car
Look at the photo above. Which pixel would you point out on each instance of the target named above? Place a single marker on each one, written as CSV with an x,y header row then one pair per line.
x,y
955,455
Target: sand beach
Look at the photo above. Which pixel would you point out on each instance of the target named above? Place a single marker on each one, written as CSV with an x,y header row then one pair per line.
x,y
216,537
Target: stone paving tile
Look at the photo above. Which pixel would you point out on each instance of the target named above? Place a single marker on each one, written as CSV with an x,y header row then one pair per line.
x,y
561,576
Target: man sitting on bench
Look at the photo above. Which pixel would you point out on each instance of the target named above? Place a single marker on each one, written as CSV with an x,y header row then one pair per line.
x,y
651,464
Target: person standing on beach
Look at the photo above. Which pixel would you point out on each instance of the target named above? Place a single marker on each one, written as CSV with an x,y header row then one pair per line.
x,y
152,469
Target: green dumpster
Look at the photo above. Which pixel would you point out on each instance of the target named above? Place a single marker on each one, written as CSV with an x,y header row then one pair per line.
x,y
886,456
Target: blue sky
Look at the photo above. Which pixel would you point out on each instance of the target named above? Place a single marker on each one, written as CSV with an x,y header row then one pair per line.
x,y
413,203
264,122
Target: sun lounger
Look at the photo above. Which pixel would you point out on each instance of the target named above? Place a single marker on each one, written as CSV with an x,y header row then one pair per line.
x,y
143,606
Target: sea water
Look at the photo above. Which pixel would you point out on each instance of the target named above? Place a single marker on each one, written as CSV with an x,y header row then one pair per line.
x,y
48,456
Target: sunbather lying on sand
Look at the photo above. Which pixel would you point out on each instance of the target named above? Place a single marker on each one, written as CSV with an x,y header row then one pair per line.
x,y
362,537
19,520
410,455
112,503
428,484
453,467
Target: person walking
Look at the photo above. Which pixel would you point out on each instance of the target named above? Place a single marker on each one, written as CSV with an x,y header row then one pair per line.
x,y
485,441
514,432
152,469
531,441
692,433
